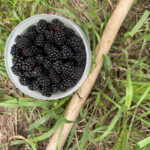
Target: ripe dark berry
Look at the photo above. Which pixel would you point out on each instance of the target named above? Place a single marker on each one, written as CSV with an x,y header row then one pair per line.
x,y
76,44
77,73
34,85
80,57
53,53
16,70
22,41
69,82
49,33
37,71
55,88
41,26
59,37
57,66
54,76
46,91
69,32
66,52
67,68
24,81
39,59
28,64
47,63
62,87
17,59
31,32
57,25
44,81
15,51
39,40
27,74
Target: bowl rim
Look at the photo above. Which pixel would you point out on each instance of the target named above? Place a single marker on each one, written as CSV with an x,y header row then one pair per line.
x,y
87,49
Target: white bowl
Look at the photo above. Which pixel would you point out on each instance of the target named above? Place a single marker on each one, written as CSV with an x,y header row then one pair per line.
x,y
19,29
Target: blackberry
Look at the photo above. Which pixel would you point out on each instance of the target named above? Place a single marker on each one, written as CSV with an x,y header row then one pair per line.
x,y
39,59
36,50
34,85
15,51
37,71
39,40
46,91
53,53
41,26
59,37
27,74
27,51
24,81
31,32
17,59
76,75
16,70
28,64
55,88
67,68
80,57
57,66
49,33
62,87
69,82
69,32
57,25
54,76
66,52
44,81
47,63
22,41
75,43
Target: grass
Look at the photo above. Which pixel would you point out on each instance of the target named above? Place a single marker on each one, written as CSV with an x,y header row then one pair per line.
x,y
116,115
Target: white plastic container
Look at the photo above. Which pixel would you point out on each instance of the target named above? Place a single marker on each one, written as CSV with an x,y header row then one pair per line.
x,y
19,29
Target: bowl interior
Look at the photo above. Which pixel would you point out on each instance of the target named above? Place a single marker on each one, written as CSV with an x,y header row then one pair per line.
x,y
19,30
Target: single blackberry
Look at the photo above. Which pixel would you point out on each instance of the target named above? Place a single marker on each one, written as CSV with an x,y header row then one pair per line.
x,y
69,82
39,40
22,41
17,59
31,32
49,33
75,43
46,46
44,81
62,87
27,74
57,25
17,71
53,53
54,76
69,32
37,71
46,91
15,51
39,59
66,52
57,66
59,37
77,74
36,50
41,26
67,68
47,63
80,57
28,64
34,85
24,81
27,52
55,88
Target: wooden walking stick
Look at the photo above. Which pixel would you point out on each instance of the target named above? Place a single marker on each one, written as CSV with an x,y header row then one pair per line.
x,y
78,100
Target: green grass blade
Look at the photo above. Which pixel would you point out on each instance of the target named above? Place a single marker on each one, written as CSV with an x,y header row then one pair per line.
x,y
140,145
110,127
34,7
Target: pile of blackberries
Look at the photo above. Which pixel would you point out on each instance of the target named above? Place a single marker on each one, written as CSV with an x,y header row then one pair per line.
x,y
49,57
